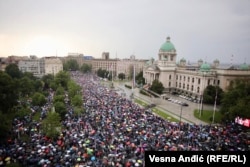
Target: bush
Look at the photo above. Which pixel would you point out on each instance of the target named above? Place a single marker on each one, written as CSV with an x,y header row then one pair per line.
x,y
144,92
128,86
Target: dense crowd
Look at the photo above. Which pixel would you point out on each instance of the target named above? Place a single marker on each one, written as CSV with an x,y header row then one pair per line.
x,y
114,132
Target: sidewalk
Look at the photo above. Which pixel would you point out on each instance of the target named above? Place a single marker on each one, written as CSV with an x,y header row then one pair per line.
x,y
170,108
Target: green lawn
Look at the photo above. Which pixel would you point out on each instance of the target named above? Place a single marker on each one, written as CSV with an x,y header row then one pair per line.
x,y
207,116
157,111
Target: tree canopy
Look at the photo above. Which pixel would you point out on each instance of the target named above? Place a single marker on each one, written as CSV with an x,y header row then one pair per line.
x,y
139,78
86,68
102,73
13,71
71,65
9,92
236,101
51,125
157,87
121,76
211,93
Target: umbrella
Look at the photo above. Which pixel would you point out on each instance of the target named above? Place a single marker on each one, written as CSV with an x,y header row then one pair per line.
x,y
7,159
93,158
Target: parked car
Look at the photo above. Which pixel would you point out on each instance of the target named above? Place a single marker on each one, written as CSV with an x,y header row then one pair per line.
x,y
184,104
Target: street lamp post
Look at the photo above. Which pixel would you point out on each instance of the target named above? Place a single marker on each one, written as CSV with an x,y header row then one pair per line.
x,y
181,113
214,104
202,92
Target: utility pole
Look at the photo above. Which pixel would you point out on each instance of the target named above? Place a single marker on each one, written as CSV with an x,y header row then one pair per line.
x,y
215,99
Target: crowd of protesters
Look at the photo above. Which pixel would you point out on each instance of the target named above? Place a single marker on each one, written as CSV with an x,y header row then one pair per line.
x,y
113,132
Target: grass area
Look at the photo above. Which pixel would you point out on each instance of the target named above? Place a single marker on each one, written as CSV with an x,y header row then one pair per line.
x,y
157,111
207,116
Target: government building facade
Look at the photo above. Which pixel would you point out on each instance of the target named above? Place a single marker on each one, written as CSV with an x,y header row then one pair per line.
x,y
190,79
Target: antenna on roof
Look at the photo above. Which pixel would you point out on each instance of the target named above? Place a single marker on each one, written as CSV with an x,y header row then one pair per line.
x,y
232,60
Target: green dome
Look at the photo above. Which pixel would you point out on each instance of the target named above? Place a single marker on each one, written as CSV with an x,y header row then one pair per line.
x,y
205,67
244,66
167,46
183,60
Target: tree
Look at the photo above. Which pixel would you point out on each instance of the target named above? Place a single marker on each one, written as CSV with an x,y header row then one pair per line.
x,y
8,92
58,98
121,76
47,80
13,71
29,75
38,85
210,94
236,100
86,68
77,100
157,87
60,108
26,86
59,91
139,78
131,71
71,65
102,73
62,79
38,99
51,125
73,88
78,111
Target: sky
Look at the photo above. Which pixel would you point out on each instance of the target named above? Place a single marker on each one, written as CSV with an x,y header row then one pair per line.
x,y
199,29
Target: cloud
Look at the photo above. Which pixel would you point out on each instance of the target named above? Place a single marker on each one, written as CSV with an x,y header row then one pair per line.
x,y
198,29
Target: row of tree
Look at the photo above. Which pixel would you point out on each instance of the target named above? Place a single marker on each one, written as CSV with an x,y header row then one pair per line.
x,y
20,91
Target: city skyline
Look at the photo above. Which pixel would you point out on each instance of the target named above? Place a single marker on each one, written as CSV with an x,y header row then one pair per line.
x,y
205,30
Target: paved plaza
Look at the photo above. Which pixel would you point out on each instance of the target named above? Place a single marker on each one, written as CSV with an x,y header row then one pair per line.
x,y
170,108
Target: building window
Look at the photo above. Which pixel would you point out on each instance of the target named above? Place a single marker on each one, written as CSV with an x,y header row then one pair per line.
x,y
183,86
188,79
179,85
176,84
169,84
184,78
192,80
176,77
192,87
180,78
188,87
199,81
169,77
208,82
172,58
218,82
198,89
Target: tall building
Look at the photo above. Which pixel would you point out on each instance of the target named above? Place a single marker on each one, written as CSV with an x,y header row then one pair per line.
x,y
33,65
52,65
41,66
190,79
126,66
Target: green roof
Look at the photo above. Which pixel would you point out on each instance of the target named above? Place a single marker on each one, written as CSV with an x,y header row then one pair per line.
x,y
244,66
167,46
183,60
205,67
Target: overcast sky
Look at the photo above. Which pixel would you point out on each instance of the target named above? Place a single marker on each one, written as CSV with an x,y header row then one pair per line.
x,y
199,29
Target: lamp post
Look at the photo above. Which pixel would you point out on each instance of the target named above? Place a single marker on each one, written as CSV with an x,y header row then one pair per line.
x,y
215,99
181,113
202,91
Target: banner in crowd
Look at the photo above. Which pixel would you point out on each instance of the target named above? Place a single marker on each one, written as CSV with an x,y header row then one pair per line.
x,y
242,121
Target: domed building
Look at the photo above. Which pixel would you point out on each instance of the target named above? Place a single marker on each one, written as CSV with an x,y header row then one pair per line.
x,y
190,80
